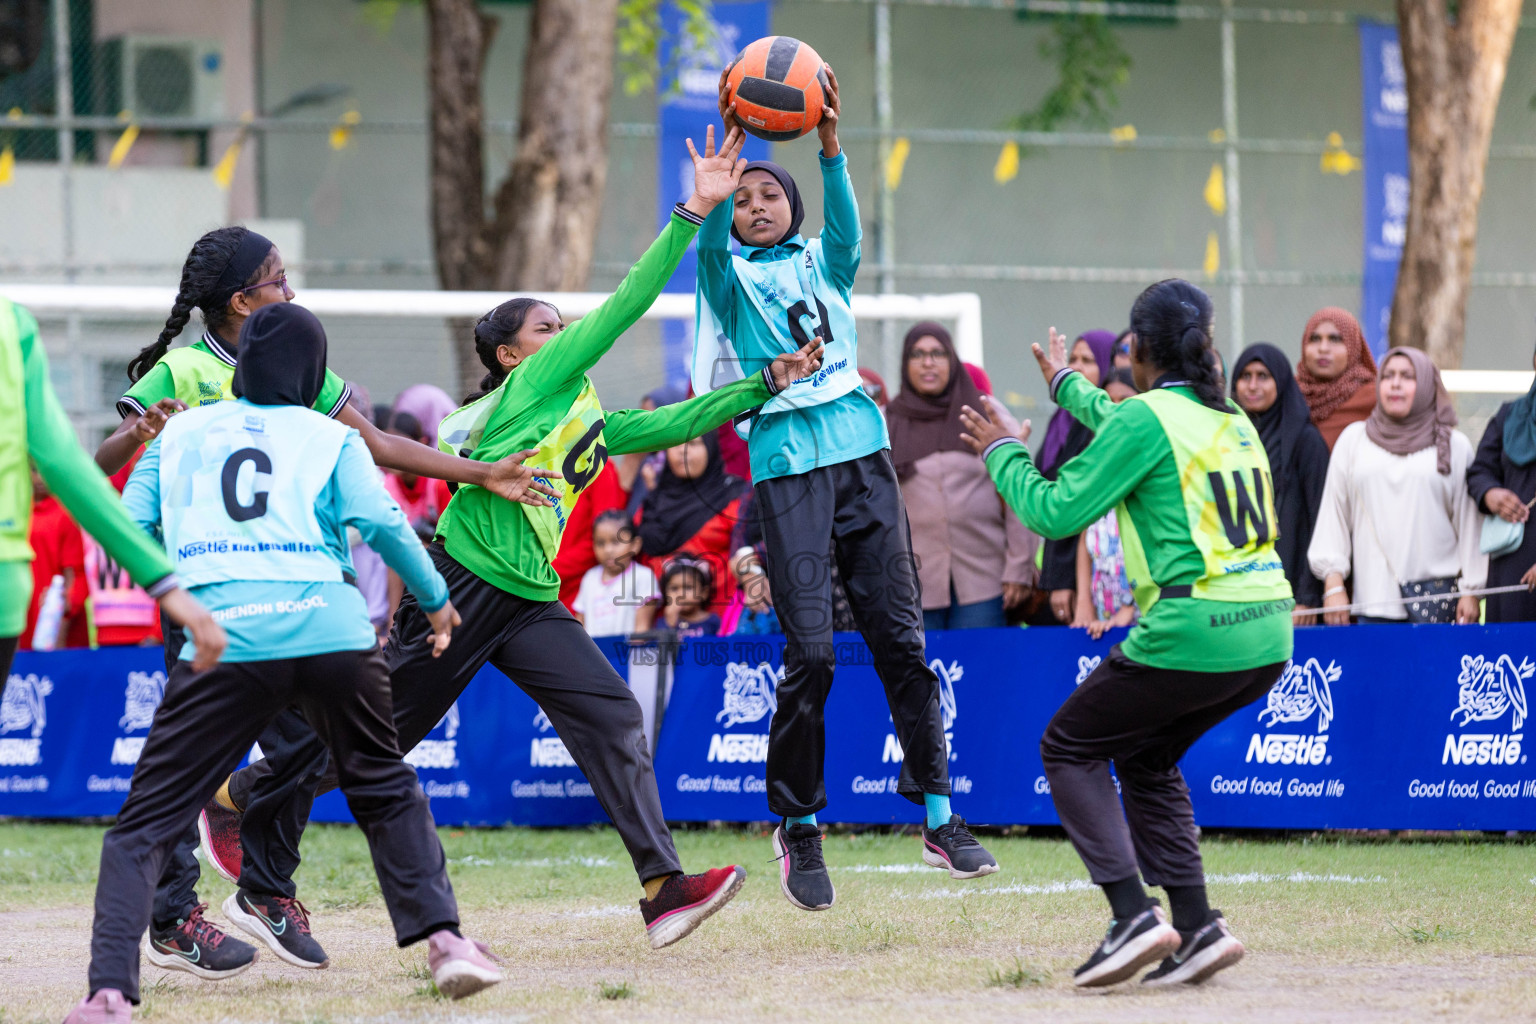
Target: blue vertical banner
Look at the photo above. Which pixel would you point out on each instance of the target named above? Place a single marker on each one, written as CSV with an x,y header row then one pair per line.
x,y
688,105
1385,96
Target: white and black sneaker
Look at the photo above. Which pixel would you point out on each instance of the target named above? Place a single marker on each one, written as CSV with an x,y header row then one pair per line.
x,y
802,871
1129,946
952,846
1210,948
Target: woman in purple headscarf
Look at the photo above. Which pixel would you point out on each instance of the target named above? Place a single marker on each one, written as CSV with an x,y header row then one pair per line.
x,y
1092,355
428,403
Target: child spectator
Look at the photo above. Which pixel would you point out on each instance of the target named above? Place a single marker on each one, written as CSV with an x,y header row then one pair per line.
x,y
687,587
1105,600
751,611
618,595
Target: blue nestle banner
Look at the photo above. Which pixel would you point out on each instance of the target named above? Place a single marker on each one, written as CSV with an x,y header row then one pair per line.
x,y
1384,91
690,104
1403,727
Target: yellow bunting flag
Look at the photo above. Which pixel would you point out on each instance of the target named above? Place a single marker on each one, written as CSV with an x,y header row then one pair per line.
x,y
7,165
1212,255
900,150
1216,191
341,135
1217,136
1007,164
1125,133
124,141
1336,159
224,170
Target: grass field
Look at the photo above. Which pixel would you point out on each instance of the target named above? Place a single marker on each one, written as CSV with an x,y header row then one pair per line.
x,y
1338,929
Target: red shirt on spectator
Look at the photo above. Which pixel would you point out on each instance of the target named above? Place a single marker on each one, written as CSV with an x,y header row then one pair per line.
x,y
58,551
424,501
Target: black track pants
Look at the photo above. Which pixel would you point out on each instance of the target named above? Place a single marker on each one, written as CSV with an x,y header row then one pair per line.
x,y
858,506
1143,719
267,867
550,656
202,729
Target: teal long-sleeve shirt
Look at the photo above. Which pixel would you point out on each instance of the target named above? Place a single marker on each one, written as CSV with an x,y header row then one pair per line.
x,y
798,440
267,620
72,476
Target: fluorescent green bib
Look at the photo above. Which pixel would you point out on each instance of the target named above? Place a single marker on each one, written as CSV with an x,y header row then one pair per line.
x,y
574,448
201,377
1228,494
15,475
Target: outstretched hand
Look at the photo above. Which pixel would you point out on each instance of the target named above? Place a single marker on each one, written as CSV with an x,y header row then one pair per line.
x,y
514,481
797,365
989,425
1052,362
716,175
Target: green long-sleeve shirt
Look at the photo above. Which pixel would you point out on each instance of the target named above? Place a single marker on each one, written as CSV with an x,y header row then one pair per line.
x,y
1131,460
71,475
494,538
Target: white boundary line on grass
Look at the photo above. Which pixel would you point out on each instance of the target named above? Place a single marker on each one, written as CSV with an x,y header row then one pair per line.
x,y
1081,885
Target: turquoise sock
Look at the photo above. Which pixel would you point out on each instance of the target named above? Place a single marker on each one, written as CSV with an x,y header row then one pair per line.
x,y
937,805
809,819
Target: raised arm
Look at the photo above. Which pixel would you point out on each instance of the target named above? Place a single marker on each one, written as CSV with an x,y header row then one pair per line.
x,y
841,233
361,501
578,348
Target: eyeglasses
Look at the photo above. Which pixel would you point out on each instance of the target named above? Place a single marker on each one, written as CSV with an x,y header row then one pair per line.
x,y
920,356
280,280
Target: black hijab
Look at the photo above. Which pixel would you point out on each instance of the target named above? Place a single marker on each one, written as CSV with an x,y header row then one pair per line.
x,y
791,192
282,356
1281,424
678,508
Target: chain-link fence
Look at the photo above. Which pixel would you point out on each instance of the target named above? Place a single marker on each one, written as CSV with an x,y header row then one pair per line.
x,y
307,118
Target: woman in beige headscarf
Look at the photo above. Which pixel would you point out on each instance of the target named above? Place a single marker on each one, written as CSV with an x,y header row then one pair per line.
x,y
1395,506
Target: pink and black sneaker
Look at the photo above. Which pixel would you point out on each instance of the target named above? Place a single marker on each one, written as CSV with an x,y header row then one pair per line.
x,y
107,1006
952,847
460,967
199,947
684,901
218,833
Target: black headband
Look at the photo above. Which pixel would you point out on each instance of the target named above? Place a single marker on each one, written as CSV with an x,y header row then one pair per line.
x,y
248,257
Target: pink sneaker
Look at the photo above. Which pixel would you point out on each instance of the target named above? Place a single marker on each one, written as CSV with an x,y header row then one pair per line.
x,y
107,1006
460,967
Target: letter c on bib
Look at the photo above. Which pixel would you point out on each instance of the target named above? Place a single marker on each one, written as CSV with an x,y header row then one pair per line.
x,y
258,506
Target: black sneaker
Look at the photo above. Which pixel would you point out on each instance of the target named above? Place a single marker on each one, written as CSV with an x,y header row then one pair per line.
x,y
199,947
953,847
1210,948
1129,946
803,872
281,923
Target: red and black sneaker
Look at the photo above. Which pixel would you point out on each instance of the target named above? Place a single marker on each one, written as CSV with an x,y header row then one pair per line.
x,y
197,946
684,901
218,833
282,923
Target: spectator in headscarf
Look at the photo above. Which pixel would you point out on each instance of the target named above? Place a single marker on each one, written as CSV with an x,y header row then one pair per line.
x,y
691,511
1502,480
1395,509
1092,354
1265,387
639,472
975,559
1337,374
429,404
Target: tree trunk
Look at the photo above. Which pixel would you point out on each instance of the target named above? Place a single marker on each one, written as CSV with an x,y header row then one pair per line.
x,y
548,208
1455,73
544,231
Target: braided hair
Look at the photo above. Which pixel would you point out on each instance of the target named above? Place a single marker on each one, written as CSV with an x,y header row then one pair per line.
x,y
497,328
199,290
1172,321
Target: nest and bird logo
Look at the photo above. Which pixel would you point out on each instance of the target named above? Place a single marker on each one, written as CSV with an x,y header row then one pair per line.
x,y
949,710
438,753
1304,689
750,695
141,699
24,709
1486,690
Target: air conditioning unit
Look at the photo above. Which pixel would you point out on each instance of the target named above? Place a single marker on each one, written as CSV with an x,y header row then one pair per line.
x,y
162,76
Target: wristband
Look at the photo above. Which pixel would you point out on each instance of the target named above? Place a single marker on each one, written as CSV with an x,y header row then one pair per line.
x,y
1333,590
